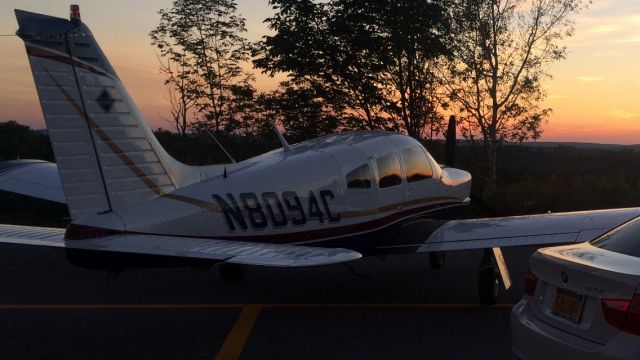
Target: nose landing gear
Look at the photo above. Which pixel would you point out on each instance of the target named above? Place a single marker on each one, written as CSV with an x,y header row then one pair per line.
x,y
232,273
436,259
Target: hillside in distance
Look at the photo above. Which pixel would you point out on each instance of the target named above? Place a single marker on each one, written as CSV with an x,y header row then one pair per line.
x,y
580,145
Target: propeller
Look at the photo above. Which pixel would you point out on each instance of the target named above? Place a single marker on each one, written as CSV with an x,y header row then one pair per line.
x,y
450,160
496,252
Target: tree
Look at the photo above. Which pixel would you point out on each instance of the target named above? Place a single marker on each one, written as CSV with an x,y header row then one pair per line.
x,y
372,58
181,91
413,35
206,37
244,117
20,141
330,57
302,112
501,56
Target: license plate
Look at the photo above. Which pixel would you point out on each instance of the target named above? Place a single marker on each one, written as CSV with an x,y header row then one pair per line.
x,y
568,305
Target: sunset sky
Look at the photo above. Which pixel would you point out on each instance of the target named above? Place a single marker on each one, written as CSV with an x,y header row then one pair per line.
x,y
593,93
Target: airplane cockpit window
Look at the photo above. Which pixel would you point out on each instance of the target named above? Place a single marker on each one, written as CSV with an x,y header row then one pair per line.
x,y
416,165
359,178
389,170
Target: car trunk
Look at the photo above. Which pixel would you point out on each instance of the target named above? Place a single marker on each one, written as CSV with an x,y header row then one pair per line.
x,y
572,282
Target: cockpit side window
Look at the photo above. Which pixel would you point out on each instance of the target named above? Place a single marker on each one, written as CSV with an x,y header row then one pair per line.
x,y
388,170
416,164
359,178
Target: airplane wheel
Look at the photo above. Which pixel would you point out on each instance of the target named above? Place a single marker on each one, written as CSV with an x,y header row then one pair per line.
x,y
232,273
436,259
488,285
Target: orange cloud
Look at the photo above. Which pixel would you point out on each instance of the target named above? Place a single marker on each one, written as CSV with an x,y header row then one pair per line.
x,y
590,78
624,114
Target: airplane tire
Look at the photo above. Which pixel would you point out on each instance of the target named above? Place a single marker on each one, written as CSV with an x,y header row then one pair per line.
x,y
232,273
488,285
436,259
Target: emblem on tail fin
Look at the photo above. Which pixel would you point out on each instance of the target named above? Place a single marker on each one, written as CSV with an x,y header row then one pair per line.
x,y
105,100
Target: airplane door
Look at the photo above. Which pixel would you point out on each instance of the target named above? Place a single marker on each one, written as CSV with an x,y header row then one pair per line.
x,y
386,194
389,183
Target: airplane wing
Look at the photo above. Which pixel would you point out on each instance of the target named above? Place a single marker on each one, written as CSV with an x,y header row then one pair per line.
x,y
34,178
559,228
228,251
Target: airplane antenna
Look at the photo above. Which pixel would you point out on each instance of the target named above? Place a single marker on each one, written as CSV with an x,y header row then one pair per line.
x,y
221,147
283,141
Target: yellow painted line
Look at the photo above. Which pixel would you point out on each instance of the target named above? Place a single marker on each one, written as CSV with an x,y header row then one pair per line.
x,y
236,339
115,306
234,306
389,306
239,334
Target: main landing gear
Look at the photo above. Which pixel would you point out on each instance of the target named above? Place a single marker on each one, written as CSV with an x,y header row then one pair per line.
x,y
232,273
436,259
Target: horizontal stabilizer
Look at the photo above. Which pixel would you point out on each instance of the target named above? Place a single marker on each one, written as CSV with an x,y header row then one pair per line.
x,y
36,178
229,251
32,235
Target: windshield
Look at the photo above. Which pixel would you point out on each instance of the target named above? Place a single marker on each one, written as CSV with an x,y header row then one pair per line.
x,y
624,239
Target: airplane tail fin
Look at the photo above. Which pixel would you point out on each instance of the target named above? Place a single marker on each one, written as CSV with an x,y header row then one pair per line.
x,y
107,156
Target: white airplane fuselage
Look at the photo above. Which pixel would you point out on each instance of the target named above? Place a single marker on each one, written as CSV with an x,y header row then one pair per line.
x,y
298,196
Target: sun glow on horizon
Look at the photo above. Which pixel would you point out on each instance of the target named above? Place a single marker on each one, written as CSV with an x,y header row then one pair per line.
x,y
592,93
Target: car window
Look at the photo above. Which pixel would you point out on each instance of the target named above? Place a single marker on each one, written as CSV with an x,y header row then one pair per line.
x,y
388,170
623,240
359,178
416,165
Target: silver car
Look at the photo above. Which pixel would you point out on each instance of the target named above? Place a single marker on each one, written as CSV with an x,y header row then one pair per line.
x,y
582,301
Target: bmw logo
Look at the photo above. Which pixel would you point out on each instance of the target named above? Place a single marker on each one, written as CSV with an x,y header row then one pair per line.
x,y
564,277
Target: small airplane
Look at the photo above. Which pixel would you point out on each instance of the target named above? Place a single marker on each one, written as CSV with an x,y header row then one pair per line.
x,y
323,201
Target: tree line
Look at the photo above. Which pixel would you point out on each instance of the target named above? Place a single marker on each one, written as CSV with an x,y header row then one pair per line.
x,y
398,65
531,180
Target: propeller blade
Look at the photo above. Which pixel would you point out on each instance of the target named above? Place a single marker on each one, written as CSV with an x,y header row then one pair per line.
x,y
450,143
479,202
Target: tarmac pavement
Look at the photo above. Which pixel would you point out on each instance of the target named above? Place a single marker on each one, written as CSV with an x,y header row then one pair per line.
x,y
391,307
